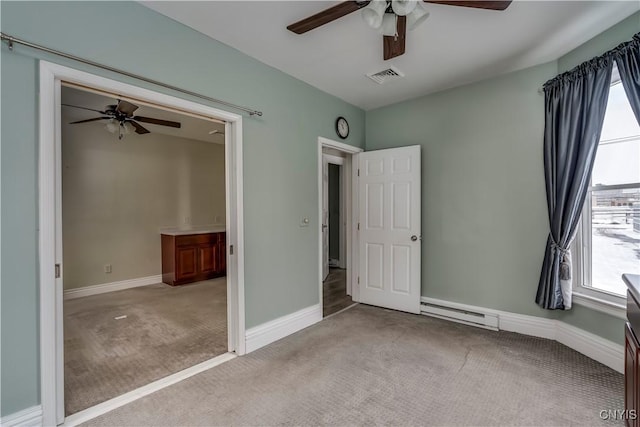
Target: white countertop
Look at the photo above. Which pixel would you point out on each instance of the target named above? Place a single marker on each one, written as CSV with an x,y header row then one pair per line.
x,y
633,283
193,230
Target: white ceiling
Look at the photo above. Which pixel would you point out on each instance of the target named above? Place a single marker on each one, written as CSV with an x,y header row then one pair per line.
x,y
454,46
190,127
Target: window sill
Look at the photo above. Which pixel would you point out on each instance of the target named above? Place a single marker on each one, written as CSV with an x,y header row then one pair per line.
x,y
618,310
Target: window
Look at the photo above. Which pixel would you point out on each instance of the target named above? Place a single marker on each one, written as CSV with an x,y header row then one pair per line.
x,y
610,237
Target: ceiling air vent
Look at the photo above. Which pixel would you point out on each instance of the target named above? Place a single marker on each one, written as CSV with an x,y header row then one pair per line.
x,y
385,76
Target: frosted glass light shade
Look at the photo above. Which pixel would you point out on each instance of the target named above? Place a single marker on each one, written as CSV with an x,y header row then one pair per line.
x,y
374,12
111,126
417,17
403,7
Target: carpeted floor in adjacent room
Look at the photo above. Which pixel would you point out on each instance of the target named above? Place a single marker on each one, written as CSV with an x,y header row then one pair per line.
x,y
371,366
166,329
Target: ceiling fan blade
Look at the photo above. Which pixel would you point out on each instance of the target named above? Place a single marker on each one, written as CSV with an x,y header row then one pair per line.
x,y
326,16
84,108
394,45
90,120
139,128
487,4
157,121
126,107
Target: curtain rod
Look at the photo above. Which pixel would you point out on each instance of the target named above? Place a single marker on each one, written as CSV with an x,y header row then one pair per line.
x,y
611,53
11,40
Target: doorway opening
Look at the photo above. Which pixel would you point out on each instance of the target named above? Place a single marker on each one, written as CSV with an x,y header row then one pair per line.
x,y
106,316
143,244
336,213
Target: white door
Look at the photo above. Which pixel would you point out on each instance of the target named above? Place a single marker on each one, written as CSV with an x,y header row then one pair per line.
x,y
389,210
325,218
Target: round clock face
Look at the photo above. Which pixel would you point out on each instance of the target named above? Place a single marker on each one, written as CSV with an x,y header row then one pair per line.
x,y
342,127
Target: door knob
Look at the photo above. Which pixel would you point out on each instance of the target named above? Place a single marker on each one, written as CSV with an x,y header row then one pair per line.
x,y
414,238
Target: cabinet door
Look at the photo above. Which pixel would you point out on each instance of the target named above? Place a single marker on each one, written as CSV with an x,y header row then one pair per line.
x,y
631,378
636,387
208,257
186,263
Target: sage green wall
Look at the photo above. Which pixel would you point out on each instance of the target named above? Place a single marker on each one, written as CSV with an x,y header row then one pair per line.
x,y
619,33
484,215
280,156
484,221
18,281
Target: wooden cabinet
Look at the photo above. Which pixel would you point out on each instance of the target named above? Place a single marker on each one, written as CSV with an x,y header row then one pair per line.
x,y
190,258
632,352
186,268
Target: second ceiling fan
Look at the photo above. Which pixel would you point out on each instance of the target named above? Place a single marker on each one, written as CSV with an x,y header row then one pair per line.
x,y
392,18
121,114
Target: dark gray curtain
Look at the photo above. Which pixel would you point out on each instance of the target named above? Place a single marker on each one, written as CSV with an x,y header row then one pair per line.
x,y
627,57
575,103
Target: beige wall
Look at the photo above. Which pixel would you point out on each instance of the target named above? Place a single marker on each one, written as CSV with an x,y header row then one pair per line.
x,y
116,195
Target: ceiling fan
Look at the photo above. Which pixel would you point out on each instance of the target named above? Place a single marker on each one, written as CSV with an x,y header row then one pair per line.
x,y
392,18
122,113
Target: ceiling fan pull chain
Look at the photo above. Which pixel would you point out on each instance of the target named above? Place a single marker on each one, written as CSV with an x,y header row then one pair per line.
x,y
395,36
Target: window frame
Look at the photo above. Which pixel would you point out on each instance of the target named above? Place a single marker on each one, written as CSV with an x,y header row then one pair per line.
x,y
583,292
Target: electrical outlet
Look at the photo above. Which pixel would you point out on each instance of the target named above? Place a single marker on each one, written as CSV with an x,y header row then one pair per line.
x,y
107,268
187,220
218,219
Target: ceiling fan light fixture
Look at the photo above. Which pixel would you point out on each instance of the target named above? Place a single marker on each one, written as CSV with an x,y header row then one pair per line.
x,y
373,13
111,127
403,7
417,16
389,25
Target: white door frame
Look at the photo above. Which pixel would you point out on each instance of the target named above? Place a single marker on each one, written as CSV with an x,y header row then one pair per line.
x,y
350,214
50,224
324,218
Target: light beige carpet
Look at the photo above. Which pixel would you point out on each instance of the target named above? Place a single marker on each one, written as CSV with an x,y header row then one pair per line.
x,y
167,329
370,366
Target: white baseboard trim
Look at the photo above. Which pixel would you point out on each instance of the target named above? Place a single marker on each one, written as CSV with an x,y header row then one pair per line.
x,y
272,331
593,346
597,348
104,407
30,417
527,325
110,287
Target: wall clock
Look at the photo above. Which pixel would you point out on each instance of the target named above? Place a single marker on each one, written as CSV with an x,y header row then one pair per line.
x,y
342,127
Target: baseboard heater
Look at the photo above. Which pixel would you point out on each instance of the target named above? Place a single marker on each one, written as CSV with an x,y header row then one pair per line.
x,y
472,318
